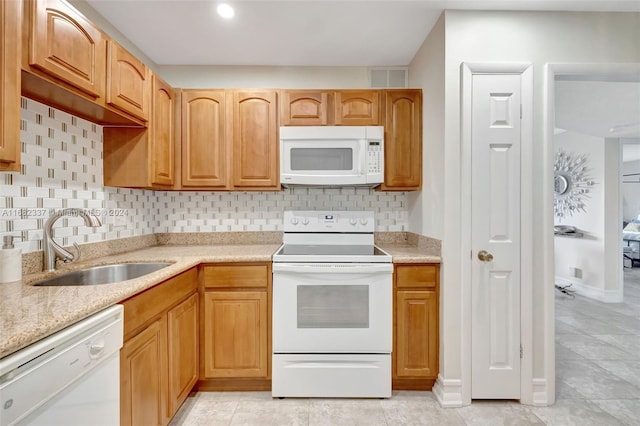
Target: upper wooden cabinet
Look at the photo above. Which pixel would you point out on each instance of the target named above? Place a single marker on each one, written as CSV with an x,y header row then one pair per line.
x,y
229,140
64,65
128,81
402,140
65,45
10,48
205,150
144,157
330,107
254,136
162,128
304,108
357,108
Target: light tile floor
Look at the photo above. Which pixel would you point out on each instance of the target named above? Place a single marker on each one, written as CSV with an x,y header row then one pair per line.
x,y
597,383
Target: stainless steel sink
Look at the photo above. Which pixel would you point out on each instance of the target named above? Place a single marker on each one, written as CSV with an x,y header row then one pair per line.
x,y
106,274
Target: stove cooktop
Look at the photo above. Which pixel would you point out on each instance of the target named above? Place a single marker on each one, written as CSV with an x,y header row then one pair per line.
x,y
331,253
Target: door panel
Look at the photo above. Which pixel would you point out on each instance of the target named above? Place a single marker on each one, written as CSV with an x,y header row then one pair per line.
x,y
67,46
254,137
495,292
204,143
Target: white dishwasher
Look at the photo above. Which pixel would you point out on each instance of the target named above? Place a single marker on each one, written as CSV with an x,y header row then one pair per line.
x,y
69,378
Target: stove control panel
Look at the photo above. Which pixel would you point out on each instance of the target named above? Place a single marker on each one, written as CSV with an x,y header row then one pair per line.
x,y
329,221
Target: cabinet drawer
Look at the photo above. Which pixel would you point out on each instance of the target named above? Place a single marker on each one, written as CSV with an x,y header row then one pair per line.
x,y
141,308
416,276
236,276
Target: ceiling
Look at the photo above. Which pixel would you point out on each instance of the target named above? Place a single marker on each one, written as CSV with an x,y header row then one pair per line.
x,y
299,32
606,109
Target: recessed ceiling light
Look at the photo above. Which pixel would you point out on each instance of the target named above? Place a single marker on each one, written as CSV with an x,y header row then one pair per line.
x,y
225,11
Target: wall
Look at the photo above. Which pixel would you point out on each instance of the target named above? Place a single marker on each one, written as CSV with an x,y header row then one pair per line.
x,y
586,253
531,37
202,76
62,167
92,15
427,71
630,191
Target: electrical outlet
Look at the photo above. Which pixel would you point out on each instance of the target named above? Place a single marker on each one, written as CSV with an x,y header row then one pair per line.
x,y
575,272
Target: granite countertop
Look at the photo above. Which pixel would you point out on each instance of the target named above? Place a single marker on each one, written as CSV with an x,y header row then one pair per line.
x,y
404,253
29,313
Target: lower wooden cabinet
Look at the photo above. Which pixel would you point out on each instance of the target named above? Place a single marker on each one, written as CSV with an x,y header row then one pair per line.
x,y
182,340
415,352
159,358
235,323
236,327
142,378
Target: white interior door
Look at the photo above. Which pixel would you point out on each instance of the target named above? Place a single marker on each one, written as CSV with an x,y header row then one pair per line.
x,y
495,236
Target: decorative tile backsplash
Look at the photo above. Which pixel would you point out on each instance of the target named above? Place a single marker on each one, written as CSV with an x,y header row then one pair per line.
x,y
62,168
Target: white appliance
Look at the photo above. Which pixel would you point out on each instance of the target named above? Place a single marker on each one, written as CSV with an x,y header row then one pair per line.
x,y
332,155
69,378
332,308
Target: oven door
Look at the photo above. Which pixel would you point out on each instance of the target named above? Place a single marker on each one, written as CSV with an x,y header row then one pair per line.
x,y
332,308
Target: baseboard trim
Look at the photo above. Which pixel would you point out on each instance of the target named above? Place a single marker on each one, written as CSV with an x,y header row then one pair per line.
x,y
540,393
448,392
601,295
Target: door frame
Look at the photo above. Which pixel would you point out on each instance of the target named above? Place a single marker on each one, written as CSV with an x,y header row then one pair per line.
x,y
468,69
548,113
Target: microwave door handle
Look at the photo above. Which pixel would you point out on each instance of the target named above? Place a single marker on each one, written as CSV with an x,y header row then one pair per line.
x,y
362,143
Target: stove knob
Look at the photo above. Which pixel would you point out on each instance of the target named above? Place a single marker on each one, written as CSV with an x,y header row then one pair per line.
x,y
305,220
294,220
363,220
353,221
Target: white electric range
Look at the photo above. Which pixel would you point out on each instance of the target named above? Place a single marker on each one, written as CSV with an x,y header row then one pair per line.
x,y
332,308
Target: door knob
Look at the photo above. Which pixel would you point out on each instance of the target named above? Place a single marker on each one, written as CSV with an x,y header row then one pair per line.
x,y
485,256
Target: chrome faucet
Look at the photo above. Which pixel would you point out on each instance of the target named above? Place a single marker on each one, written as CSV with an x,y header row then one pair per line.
x,y
53,250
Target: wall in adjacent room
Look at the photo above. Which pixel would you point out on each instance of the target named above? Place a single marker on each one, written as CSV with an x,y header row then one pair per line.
x,y
631,191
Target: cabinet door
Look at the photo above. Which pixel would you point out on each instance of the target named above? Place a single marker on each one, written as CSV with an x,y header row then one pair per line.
x,y
67,46
204,142
357,108
416,351
162,143
403,140
303,108
235,334
254,135
128,81
10,48
143,377
182,340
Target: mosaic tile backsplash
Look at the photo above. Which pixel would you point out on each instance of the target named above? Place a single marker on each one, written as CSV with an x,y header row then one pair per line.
x,y
62,168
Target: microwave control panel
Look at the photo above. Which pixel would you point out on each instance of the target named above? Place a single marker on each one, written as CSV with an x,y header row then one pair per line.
x,y
374,156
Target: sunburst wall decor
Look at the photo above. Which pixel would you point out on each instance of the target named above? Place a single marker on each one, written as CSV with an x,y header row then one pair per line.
x,y
571,184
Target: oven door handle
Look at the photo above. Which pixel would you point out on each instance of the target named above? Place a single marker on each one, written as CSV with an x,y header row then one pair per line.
x,y
334,268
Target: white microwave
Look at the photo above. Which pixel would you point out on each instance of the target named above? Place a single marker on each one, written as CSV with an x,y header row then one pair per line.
x,y
332,155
